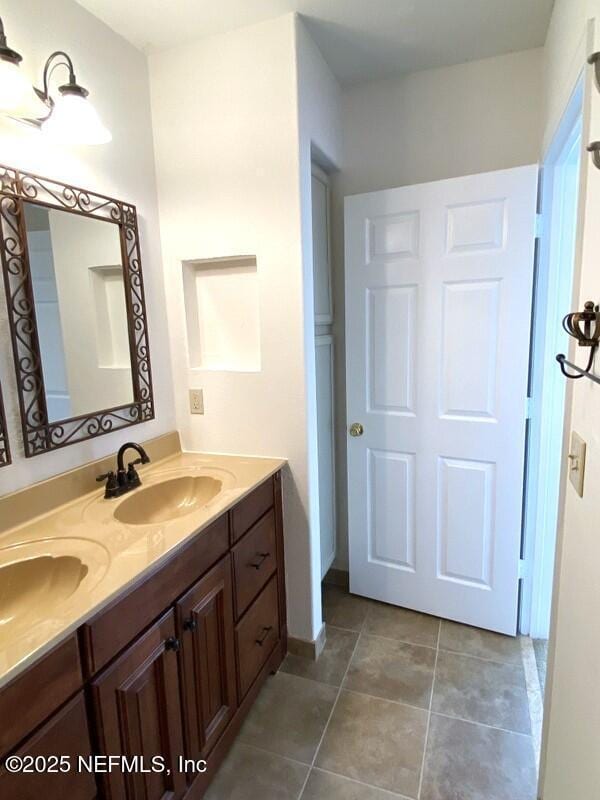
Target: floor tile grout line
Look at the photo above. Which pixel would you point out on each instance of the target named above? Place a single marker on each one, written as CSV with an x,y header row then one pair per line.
x,y
422,709
481,724
429,647
399,641
480,658
437,654
363,783
437,713
276,755
333,707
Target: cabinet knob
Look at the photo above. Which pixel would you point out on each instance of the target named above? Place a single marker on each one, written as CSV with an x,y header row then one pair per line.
x,y
190,624
261,640
172,643
261,557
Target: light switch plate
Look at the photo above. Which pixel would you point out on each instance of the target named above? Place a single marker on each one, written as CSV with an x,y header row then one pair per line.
x,y
576,465
196,401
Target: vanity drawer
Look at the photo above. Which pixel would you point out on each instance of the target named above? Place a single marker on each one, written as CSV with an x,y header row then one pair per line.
x,y
112,629
23,706
251,509
65,734
256,636
254,561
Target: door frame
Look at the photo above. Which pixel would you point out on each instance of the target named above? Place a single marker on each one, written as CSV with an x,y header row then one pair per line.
x,y
548,389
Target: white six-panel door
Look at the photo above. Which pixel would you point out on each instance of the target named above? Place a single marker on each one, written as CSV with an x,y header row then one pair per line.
x,y
438,310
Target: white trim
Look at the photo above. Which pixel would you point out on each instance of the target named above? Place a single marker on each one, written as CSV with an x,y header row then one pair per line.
x,y
555,286
322,177
327,340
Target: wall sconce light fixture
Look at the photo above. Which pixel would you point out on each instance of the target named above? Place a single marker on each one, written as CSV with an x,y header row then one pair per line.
x,y
70,118
17,96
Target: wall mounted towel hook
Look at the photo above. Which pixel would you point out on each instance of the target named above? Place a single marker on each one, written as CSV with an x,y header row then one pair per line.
x,y
585,327
594,149
594,60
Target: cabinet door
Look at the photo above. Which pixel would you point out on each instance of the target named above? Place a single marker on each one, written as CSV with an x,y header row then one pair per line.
x,y
138,713
205,618
65,734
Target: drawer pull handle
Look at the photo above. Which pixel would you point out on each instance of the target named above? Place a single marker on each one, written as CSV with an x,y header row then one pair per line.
x,y
265,633
261,557
190,624
172,643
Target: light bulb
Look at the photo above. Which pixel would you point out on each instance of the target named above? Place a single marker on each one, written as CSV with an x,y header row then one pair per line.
x,y
74,120
17,97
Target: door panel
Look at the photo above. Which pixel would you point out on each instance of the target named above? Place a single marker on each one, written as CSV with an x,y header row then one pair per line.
x,y
468,380
138,710
438,302
65,734
391,528
391,316
205,619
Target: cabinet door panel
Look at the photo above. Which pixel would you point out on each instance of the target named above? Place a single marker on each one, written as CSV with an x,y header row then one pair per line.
x,y
65,734
138,710
205,617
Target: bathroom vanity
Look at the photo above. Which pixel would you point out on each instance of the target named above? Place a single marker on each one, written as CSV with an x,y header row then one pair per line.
x,y
162,648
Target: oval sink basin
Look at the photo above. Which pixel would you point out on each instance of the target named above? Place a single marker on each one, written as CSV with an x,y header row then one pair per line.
x,y
37,584
167,500
38,578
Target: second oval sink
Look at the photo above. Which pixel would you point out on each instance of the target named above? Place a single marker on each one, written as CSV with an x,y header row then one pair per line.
x,y
37,583
167,500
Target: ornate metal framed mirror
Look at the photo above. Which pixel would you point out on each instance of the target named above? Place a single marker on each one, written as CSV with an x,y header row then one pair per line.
x,y
4,446
77,315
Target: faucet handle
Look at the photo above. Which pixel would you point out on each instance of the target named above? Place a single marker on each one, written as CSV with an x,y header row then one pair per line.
x,y
110,475
133,479
112,484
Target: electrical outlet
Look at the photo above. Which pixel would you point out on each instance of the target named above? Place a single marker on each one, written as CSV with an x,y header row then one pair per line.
x,y
196,401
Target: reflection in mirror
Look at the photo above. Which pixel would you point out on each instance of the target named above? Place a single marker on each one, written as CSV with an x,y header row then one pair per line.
x,y
4,447
79,295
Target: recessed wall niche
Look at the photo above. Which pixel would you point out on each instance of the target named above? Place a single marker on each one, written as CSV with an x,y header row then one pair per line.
x,y
222,313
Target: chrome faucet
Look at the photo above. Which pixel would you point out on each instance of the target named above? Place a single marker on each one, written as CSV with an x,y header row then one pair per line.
x,y
125,479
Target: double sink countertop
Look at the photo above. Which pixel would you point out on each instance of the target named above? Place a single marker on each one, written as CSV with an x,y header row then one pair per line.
x,y
59,569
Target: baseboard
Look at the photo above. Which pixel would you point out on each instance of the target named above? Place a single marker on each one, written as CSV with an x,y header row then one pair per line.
x,y
337,577
306,648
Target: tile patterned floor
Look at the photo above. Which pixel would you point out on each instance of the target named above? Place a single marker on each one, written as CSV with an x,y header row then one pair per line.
x,y
399,705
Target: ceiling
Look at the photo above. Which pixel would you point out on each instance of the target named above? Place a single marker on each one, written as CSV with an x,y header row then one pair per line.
x,y
360,39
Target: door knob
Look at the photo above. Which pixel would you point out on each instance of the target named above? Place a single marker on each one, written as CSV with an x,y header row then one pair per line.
x,y
356,429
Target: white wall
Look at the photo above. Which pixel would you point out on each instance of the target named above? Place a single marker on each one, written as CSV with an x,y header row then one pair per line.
x,y
320,139
229,156
430,125
570,766
116,75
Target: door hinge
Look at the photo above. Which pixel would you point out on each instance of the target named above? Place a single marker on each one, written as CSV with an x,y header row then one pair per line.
x,y
528,407
522,568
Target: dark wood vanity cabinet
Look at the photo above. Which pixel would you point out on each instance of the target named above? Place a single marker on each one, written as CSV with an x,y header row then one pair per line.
x,y
138,715
205,623
166,672
64,734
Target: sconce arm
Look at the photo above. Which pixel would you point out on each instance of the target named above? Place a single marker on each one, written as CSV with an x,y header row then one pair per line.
x,y
57,59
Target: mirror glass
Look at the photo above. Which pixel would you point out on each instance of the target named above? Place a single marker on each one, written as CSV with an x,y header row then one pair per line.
x,y
79,294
